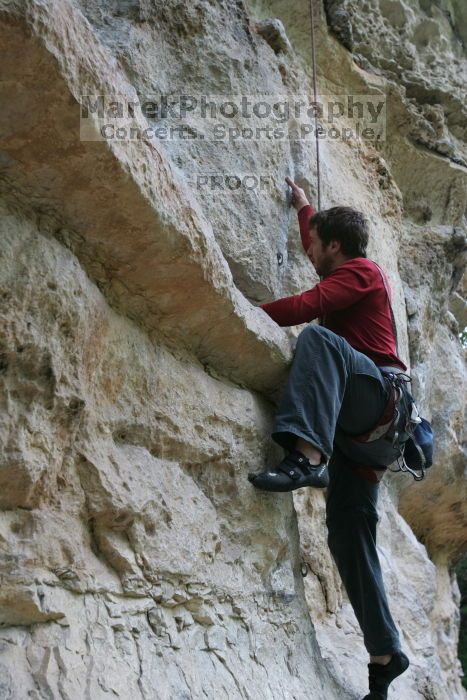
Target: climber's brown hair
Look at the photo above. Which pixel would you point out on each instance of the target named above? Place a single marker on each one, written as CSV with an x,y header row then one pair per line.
x,y
343,224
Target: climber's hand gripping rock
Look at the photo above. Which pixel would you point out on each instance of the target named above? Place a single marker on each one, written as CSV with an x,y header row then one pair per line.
x,y
299,199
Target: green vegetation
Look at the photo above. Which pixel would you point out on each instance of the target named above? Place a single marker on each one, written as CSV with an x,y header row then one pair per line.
x,y
461,571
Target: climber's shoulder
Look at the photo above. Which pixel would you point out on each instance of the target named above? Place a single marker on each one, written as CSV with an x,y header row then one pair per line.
x,y
359,266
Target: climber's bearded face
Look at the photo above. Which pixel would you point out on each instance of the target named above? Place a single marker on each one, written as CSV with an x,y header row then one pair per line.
x,y
322,256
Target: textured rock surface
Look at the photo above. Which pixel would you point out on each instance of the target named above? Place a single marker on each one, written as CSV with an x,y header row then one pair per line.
x,y
420,45
138,380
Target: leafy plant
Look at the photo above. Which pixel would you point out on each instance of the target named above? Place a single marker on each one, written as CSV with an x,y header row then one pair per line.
x,y
461,572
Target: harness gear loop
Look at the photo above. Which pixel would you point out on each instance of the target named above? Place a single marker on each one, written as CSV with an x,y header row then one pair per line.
x,y
407,403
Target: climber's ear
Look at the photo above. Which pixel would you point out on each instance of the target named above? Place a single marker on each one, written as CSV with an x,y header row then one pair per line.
x,y
334,247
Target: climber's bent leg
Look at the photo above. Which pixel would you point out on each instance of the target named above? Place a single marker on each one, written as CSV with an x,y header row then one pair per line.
x,y
329,381
351,518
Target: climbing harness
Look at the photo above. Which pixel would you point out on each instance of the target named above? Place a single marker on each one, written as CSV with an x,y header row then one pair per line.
x,y
400,435
315,98
409,432
401,424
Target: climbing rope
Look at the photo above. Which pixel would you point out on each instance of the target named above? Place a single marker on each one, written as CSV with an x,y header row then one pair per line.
x,y
313,58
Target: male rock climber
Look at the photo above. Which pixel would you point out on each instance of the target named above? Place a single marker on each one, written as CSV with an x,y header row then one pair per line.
x,y
335,394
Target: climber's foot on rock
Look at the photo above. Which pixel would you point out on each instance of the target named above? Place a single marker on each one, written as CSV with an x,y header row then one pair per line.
x,y
381,676
294,472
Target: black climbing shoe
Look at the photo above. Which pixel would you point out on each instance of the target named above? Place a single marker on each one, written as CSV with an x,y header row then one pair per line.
x,y
381,676
292,473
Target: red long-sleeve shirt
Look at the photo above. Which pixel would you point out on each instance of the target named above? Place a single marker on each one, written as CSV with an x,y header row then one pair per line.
x,y
351,301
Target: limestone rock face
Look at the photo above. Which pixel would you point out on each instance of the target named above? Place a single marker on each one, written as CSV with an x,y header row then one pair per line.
x,y
420,46
139,381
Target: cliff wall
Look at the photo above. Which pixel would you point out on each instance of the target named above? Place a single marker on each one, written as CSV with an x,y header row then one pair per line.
x,y
139,380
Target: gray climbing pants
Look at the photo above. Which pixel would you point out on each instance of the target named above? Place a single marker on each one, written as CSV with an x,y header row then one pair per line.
x,y
333,392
